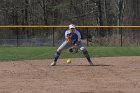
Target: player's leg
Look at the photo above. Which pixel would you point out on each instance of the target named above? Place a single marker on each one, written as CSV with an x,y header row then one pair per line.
x,y
85,53
59,51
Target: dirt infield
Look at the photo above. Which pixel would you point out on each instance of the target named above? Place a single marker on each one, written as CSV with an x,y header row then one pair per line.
x,y
109,75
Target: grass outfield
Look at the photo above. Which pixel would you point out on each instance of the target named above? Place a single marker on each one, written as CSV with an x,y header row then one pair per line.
x,y
30,53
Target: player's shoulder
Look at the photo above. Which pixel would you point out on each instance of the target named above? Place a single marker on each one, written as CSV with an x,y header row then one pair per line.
x,y
67,31
76,31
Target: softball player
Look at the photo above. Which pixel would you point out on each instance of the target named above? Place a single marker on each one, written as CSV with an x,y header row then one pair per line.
x,y
73,39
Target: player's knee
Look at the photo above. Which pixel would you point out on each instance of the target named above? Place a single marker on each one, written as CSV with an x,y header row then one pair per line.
x,y
85,52
57,54
58,50
83,49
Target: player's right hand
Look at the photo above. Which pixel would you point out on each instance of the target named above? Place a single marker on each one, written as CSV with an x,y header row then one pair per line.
x,y
68,40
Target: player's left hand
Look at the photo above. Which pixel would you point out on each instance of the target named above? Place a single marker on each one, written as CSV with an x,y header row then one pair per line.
x,y
74,49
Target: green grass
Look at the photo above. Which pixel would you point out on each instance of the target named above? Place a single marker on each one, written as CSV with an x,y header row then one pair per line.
x,y
30,53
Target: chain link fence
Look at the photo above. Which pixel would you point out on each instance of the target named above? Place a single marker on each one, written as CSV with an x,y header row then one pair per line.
x,y
55,36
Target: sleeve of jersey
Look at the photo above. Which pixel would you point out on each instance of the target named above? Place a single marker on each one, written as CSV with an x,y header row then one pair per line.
x,y
79,36
66,32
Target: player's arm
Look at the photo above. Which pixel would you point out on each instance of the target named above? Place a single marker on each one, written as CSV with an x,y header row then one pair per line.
x,y
79,39
77,44
67,37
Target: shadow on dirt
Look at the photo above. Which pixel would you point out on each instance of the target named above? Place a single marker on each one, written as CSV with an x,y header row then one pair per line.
x,y
87,65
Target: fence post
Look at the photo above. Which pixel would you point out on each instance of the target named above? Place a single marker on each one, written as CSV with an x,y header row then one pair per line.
x,y
121,37
87,37
17,37
53,37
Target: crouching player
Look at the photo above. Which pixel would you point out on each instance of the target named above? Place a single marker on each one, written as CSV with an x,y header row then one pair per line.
x,y
73,39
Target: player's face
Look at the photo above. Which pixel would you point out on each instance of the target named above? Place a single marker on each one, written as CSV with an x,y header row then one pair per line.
x,y
72,30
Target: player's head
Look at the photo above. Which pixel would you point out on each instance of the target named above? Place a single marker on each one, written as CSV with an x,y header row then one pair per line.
x,y
72,28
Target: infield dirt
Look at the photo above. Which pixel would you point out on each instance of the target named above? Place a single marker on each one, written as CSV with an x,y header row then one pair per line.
x,y
109,75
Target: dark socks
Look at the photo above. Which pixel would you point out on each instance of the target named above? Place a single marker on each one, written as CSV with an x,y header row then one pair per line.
x,y
56,56
85,52
88,58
